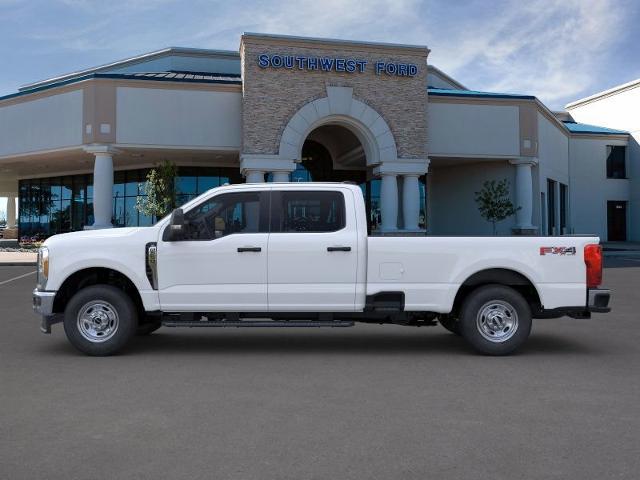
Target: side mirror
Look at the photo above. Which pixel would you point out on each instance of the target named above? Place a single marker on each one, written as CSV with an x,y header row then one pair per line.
x,y
175,230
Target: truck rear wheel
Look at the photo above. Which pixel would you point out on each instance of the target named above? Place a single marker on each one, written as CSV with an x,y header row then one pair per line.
x,y
495,320
100,320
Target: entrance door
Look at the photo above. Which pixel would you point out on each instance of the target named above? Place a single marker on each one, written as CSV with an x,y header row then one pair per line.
x,y
617,221
221,264
313,252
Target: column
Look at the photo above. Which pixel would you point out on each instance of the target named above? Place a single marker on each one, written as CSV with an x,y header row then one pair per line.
x,y
280,176
11,212
389,202
102,186
410,201
254,176
524,195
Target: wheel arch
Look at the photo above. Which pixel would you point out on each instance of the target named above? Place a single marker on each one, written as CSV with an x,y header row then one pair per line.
x,y
95,276
499,276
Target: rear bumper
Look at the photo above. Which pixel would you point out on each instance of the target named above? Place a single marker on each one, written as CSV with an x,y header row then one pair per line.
x,y
598,300
43,306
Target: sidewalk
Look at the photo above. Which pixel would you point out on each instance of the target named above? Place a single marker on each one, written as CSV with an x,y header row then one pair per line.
x,y
18,258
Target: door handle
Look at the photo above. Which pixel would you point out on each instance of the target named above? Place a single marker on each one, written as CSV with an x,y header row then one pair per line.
x,y
249,249
338,249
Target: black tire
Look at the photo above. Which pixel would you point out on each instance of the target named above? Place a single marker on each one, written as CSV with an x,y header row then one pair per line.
x,y
450,323
148,327
495,320
110,320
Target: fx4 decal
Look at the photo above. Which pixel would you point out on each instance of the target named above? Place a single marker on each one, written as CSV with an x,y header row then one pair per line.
x,y
557,250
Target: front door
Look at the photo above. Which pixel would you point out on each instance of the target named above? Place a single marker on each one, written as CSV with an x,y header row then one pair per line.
x,y
617,221
221,264
313,251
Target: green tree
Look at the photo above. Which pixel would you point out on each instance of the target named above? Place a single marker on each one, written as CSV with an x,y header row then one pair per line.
x,y
159,191
494,202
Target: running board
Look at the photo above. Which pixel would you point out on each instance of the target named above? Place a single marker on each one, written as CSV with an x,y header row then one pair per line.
x,y
258,323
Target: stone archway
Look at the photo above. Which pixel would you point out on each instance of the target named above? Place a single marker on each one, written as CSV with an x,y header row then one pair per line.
x,y
340,108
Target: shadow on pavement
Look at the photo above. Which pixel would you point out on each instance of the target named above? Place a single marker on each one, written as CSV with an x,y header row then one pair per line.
x,y
173,342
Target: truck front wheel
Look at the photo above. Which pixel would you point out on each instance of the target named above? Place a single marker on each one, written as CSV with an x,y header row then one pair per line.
x,y
495,319
100,320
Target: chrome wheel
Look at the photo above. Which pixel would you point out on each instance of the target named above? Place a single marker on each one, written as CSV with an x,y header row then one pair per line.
x,y
497,321
98,321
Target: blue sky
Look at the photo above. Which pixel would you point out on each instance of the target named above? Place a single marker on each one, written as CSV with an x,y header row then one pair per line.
x,y
559,50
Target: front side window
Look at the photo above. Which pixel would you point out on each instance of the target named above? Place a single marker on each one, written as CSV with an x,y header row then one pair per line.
x,y
308,211
224,215
616,161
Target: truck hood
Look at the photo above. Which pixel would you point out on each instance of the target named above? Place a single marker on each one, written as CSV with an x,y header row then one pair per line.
x,y
92,239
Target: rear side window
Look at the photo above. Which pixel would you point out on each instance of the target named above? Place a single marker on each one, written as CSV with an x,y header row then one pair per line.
x,y
307,211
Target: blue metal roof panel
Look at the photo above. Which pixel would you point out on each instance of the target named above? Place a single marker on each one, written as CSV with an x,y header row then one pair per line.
x,y
575,127
445,92
152,76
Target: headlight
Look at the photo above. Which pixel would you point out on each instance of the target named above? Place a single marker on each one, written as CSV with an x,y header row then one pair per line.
x,y
43,267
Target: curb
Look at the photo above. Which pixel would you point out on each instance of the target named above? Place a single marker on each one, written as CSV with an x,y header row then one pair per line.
x,y
18,264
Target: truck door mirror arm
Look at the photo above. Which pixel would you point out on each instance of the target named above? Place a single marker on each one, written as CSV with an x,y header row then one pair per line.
x,y
176,228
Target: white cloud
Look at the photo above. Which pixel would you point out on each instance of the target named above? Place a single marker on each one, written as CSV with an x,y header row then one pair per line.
x,y
553,49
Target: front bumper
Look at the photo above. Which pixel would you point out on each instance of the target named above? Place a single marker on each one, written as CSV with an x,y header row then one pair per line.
x,y
598,300
43,305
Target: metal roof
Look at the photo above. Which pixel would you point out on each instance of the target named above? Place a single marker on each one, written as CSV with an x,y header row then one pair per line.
x,y
445,92
176,75
186,77
575,127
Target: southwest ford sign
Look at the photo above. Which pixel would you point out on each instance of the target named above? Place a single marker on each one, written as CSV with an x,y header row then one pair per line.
x,y
335,64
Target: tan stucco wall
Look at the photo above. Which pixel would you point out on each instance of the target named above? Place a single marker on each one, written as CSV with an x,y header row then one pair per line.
x,y
272,96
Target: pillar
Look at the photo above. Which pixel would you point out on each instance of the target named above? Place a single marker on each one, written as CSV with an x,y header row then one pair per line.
x,y
524,195
389,202
254,176
11,212
102,186
280,176
410,201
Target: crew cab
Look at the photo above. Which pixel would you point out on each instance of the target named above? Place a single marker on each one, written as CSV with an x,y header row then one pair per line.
x,y
299,255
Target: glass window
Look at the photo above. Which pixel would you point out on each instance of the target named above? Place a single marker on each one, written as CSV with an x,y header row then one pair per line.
x,y
224,215
119,180
564,200
207,183
67,188
131,214
65,216
131,184
118,212
186,185
616,161
53,205
551,207
311,212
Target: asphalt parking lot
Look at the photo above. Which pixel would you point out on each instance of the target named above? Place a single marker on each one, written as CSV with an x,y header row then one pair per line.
x,y
366,402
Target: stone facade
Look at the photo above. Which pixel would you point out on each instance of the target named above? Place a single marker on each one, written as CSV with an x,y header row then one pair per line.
x,y
272,96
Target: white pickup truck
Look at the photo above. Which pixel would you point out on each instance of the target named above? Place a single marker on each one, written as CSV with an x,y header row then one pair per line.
x,y
298,255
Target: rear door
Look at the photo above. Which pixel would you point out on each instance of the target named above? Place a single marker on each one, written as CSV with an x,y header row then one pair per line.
x,y
313,251
616,221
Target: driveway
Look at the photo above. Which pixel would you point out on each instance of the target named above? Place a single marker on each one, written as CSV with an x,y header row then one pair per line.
x,y
366,402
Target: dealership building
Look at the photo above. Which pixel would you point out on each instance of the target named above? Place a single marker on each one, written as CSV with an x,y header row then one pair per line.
x,y
75,150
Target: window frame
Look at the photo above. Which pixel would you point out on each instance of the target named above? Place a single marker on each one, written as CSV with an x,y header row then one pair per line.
x,y
263,215
276,210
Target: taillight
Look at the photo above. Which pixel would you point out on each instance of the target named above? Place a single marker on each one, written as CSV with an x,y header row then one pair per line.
x,y
593,260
